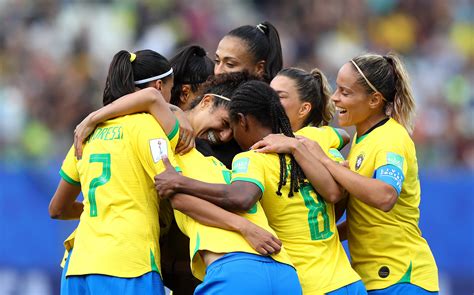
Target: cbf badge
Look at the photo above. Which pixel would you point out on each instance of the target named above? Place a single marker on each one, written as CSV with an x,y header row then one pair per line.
x,y
359,160
159,149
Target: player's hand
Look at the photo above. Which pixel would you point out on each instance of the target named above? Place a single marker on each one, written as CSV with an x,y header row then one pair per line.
x,y
186,134
166,180
276,143
312,146
82,131
261,240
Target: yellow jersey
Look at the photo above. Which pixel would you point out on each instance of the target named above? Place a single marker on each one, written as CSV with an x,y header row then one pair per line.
x,y
118,231
305,223
201,237
387,247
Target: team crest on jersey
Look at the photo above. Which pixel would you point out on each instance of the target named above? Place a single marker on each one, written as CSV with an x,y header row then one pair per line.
x,y
159,149
359,160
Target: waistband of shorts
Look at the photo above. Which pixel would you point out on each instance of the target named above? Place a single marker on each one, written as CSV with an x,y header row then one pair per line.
x,y
229,257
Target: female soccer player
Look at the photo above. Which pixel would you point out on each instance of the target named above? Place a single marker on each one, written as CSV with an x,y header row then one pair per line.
x,y
302,218
255,49
116,246
387,249
191,68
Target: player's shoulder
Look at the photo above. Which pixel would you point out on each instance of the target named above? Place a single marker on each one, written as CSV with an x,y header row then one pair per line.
x,y
394,133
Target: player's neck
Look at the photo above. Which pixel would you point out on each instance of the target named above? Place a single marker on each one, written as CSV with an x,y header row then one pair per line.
x,y
368,123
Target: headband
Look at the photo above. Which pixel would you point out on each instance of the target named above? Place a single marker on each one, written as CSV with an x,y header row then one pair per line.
x,y
363,76
155,77
217,95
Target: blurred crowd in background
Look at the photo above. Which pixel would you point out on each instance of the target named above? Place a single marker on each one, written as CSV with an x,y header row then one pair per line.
x,y
54,57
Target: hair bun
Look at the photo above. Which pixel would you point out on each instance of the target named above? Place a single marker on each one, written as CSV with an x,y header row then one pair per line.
x,y
198,50
262,28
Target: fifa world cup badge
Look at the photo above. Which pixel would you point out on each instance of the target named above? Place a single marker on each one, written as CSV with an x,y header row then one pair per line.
x,y
359,160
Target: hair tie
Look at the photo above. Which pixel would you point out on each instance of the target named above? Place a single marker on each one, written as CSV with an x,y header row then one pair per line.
x,y
262,28
133,56
219,96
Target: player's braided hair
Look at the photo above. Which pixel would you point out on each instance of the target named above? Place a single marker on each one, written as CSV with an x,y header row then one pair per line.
x,y
259,100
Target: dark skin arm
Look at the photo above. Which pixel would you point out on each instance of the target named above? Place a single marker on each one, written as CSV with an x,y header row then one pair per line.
x,y
211,215
63,205
314,170
239,196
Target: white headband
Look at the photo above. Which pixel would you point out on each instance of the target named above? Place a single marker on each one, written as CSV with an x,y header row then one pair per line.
x,y
363,76
261,28
155,77
220,96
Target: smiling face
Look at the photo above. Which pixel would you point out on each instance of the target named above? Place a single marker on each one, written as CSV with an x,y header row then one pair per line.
x,y
211,123
232,55
351,99
296,109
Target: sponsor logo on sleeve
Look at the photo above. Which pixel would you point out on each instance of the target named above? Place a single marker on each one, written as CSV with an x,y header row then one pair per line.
x,y
240,165
395,159
159,149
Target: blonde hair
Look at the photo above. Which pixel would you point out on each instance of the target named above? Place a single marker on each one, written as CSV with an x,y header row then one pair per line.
x,y
388,75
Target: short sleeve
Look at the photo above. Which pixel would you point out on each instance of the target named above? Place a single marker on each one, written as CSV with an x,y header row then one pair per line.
x,y
69,170
333,137
249,167
391,166
152,145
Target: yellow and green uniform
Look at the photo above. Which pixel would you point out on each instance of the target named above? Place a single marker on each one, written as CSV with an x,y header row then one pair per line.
x,y
387,247
217,240
118,231
305,223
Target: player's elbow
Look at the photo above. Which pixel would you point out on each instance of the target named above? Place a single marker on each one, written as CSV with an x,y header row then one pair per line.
x,y
54,212
334,196
387,198
237,203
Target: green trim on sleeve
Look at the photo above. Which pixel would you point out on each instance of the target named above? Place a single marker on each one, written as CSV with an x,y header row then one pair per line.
x,y
68,179
341,141
406,277
178,169
174,131
254,181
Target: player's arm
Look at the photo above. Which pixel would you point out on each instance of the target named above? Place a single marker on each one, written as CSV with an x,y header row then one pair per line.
x,y
373,192
314,170
239,196
211,215
147,100
63,205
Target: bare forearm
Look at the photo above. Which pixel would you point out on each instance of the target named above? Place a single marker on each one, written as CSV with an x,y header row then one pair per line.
x,y
71,212
218,194
207,213
317,174
371,191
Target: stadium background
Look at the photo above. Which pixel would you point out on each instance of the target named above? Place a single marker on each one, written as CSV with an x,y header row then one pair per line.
x,y
54,57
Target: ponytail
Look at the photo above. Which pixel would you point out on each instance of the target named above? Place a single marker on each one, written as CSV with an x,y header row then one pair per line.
x,y
387,75
129,70
403,108
313,88
327,106
191,66
120,80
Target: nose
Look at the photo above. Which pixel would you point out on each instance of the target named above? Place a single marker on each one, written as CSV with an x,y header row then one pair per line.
x,y
335,96
218,69
225,135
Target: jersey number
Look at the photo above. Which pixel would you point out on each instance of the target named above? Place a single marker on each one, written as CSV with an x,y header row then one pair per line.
x,y
314,210
98,181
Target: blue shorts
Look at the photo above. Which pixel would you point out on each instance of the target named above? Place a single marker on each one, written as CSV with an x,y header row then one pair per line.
x,y
402,289
356,288
95,284
245,273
